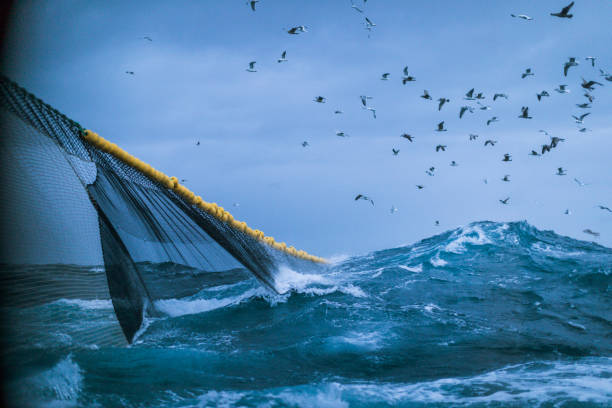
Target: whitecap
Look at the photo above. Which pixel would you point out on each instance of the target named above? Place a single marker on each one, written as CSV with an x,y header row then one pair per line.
x,y
92,304
181,307
437,261
287,279
471,234
415,269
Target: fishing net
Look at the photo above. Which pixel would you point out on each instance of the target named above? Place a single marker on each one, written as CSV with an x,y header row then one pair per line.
x,y
83,220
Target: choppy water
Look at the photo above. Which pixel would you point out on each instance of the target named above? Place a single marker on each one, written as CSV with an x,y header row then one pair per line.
x,y
484,316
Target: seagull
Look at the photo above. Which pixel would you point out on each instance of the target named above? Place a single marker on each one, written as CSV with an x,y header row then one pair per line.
x,y
592,59
369,24
525,113
283,57
562,89
506,177
356,8
555,140
385,76
251,67
183,180
373,110
583,105
395,151
297,30
198,143
583,130
483,107
129,72
252,3
588,231
564,11
608,78
580,183
430,172
543,131
507,157
545,148
147,38
534,153
601,207
522,16
337,112
236,204
407,136
473,136
589,84
341,134
319,99
426,95
527,73
393,209
441,127
571,63
464,109
362,197
442,101
453,163
580,118
469,95
304,144
420,187
408,79
542,94
493,119
490,142
364,99
437,223
561,172
480,96
567,212
505,201
500,95
440,147
485,181
590,97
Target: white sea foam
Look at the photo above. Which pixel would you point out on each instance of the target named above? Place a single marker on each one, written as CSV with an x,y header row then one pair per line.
x,y
437,261
287,279
181,307
93,304
471,234
415,269
339,258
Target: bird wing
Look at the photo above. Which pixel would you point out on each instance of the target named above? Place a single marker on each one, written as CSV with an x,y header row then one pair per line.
x,y
358,197
567,8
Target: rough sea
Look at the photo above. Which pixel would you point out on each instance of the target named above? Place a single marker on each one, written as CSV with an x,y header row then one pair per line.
x,y
488,315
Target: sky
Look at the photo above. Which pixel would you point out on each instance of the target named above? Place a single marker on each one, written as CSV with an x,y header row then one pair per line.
x,y
190,84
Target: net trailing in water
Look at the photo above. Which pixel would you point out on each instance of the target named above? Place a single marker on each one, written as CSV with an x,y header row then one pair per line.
x,y
117,227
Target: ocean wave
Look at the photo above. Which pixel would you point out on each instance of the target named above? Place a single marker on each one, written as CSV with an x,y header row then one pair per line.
x,y
414,269
472,234
181,307
92,304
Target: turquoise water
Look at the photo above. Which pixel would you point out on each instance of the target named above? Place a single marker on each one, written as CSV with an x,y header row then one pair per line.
x,y
488,315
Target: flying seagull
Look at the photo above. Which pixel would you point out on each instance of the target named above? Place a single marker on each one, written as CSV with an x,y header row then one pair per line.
x,y
479,96
527,73
590,232
441,103
362,197
426,95
129,72
147,38
297,30
542,94
356,8
473,136
561,172
602,207
490,142
408,78
590,97
555,140
395,151
364,99
407,136
252,3
500,95
385,76
507,157
369,24
493,119
430,171
373,110
337,112
440,147
580,118
564,12
420,187
469,95
583,105
341,134
580,183
319,99
522,16
283,57
504,201
562,89
592,59
525,113
545,148
441,127
453,163
589,85
305,143
464,109
483,107
571,63
534,153
567,212
198,143
393,209
251,67
506,178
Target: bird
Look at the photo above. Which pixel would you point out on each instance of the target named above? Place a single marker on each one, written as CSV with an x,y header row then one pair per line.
x,y
369,24
362,197
485,181
584,105
545,148
592,59
493,119
337,112
440,147
506,177
490,142
522,16
527,73
464,109
385,76
430,171
442,101
507,157
356,8
393,209
567,212
437,223
564,12
304,144
580,118
297,30
555,140
252,3
608,78
341,134
441,127
473,136
602,207
283,57
500,95
542,94
590,97
236,204
420,187
543,131
407,136
198,143
525,113
561,172
129,72
590,232
571,63
408,79
483,107
562,89
319,99
147,38
364,99
589,85
373,110
480,96
183,180
580,183
504,201
251,67
395,151
469,95
453,163
583,130
534,153
426,95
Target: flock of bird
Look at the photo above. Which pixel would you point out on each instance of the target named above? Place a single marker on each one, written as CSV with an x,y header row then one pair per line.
x,y
474,101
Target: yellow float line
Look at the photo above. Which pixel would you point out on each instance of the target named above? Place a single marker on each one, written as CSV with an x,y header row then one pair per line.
x,y
172,183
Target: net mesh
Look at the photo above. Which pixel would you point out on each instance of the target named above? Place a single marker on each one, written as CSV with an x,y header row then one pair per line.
x,y
78,222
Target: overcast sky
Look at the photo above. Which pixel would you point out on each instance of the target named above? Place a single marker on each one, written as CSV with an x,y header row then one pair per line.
x,y
191,84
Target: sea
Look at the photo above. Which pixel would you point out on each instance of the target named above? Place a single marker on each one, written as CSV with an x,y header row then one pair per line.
x,y
487,315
